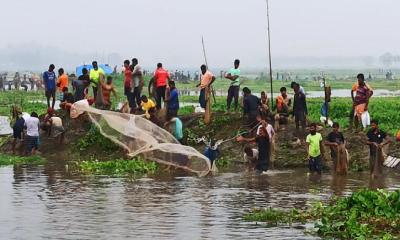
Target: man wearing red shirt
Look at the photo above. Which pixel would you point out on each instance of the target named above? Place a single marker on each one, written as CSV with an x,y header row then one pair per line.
x,y
161,78
127,85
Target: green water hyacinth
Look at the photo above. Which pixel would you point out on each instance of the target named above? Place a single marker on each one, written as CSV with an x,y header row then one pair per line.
x,y
118,167
365,214
7,160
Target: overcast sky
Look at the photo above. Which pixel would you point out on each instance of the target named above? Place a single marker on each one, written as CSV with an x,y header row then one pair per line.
x,y
170,30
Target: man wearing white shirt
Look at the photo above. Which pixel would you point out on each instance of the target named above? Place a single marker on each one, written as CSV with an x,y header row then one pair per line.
x,y
250,156
32,133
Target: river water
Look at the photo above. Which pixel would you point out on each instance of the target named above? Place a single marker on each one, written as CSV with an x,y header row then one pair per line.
x,y
50,203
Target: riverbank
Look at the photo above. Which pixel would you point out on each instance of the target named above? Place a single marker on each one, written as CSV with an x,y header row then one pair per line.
x,y
89,146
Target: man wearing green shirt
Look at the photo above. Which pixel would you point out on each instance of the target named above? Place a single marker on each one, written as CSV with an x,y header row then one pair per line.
x,y
314,149
95,77
233,92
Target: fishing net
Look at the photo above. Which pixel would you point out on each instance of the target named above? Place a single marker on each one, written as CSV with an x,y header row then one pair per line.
x,y
376,160
341,160
140,137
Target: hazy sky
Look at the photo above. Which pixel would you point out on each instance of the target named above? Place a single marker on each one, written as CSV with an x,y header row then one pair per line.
x,y
171,30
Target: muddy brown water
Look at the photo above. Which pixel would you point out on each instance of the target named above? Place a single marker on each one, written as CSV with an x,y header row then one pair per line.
x,y
47,202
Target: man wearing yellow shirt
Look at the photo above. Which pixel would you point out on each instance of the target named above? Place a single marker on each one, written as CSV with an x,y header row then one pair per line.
x,y
95,76
147,104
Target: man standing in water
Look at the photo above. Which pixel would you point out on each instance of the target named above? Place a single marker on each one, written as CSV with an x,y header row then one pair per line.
x,y
336,142
233,91
161,78
49,79
263,141
377,139
361,100
206,80
314,149
95,77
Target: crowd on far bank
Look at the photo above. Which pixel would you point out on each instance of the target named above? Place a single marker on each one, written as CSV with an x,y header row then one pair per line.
x,y
263,117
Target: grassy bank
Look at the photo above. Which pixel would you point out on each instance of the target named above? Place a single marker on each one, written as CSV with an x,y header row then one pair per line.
x,y
365,214
6,160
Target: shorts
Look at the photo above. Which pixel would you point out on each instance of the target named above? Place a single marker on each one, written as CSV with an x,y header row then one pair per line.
x,y
282,118
57,130
60,96
300,117
315,164
17,133
202,98
334,157
172,113
50,93
32,143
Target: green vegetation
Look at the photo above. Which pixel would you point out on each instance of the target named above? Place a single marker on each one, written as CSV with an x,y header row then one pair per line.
x,y
365,214
310,85
223,162
94,138
385,110
28,101
6,160
118,167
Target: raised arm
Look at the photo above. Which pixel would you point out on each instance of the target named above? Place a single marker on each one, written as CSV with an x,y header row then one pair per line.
x,y
212,81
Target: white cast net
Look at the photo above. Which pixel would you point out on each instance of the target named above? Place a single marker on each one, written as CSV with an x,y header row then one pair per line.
x,y
141,137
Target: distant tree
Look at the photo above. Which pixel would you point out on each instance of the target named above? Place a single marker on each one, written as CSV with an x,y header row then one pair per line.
x,y
369,61
387,59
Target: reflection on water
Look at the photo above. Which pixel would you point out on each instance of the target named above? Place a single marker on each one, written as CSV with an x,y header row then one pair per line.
x,y
48,202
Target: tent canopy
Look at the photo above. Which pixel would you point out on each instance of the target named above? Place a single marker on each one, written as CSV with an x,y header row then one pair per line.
x,y
106,68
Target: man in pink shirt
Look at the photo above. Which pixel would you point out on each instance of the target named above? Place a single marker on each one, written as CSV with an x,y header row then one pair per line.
x,y
161,78
127,86
206,79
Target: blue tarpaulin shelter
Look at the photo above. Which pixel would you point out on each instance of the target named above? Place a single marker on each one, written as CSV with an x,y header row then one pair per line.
x,y
106,68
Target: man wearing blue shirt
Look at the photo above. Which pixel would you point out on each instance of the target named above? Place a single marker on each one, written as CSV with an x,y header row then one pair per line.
x,y
173,101
49,79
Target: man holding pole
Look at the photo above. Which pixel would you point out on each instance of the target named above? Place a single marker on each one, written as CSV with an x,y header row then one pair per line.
x,y
206,80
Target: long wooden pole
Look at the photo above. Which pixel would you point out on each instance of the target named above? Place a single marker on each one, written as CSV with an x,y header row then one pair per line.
x,y
205,59
269,53
207,114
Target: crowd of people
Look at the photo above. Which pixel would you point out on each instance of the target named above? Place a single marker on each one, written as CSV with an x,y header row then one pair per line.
x,y
162,105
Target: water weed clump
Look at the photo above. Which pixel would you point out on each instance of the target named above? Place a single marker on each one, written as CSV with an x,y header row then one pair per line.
x,y
7,160
95,138
119,167
366,214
